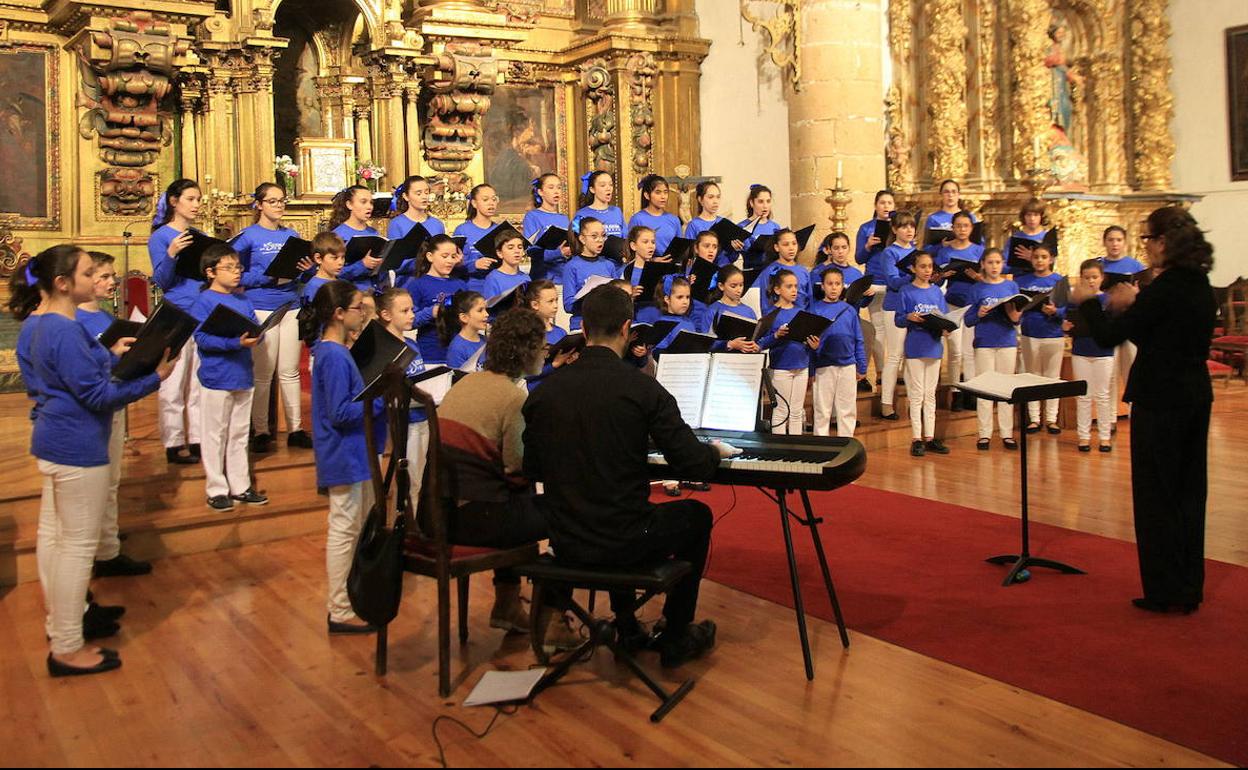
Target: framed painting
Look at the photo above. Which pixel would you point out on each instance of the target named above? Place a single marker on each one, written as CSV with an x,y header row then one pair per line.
x,y
1237,91
325,166
30,137
522,140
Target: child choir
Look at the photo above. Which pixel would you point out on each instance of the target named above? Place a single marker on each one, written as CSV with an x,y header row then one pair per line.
x,y
214,397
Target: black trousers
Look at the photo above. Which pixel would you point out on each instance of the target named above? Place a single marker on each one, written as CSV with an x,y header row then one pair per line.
x,y
679,530
509,524
1169,487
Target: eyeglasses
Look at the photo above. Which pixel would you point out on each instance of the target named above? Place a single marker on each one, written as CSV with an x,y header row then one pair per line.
x,y
274,201
233,267
357,308
595,237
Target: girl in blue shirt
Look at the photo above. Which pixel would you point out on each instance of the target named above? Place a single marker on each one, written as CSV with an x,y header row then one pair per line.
x,y
180,392
653,214
784,253
482,206
279,351
840,360
707,197
758,222
76,398
433,285
1031,215
923,353
410,207
1117,261
941,220
462,325
1042,339
642,246
352,208
888,280
996,342
341,450
673,303
726,298
542,297
957,295
1095,364
395,311
590,236
597,192
547,197
510,253
789,361
866,242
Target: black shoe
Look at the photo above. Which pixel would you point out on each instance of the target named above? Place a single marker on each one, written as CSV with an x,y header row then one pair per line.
x,y
671,491
251,497
955,403
221,503
1152,605
697,638
110,662
174,456
195,451
121,566
99,629
1010,443
937,446
349,628
261,443
1033,428
102,613
893,416
1107,447
300,439
1054,430
1085,447
917,449
864,387
983,444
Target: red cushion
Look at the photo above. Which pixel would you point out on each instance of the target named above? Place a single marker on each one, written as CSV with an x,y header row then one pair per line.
x,y
1234,339
1217,368
415,547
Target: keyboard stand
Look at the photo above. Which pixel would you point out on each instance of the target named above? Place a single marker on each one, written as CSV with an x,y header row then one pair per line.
x,y
811,522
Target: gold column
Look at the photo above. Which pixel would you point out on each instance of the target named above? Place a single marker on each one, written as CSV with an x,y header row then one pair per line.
x,y
900,99
632,15
678,113
989,95
411,98
1108,89
247,122
388,150
190,106
255,119
1028,22
836,117
1152,103
219,134
363,134
945,47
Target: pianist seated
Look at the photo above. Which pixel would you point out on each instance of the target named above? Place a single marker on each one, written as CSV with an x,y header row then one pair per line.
x,y
587,433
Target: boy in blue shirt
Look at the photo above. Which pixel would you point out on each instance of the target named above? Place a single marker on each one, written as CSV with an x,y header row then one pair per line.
x,y
840,360
226,374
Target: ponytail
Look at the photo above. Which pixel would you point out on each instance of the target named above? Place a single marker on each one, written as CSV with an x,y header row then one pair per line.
x,y
536,186
755,191
339,213
448,317
586,197
777,278
723,276
164,208
35,279
398,199
647,186
574,233
472,200
331,297
532,291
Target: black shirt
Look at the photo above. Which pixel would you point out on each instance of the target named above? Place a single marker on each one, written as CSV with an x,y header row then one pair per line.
x,y
1172,323
587,432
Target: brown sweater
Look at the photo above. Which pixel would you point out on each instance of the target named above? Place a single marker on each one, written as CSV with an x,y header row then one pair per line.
x,y
481,430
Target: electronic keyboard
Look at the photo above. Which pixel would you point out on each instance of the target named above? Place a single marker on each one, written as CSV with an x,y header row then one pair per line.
x,y
779,461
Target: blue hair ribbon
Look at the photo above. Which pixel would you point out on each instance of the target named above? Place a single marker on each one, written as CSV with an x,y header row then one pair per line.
x,y
162,206
448,300
667,284
585,182
756,185
576,225
536,184
399,191
31,278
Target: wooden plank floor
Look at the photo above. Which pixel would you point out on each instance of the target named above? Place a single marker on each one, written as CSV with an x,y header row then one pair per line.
x,y
227,663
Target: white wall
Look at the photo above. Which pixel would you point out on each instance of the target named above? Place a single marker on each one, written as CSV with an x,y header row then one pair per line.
x,y
1201,127
745,121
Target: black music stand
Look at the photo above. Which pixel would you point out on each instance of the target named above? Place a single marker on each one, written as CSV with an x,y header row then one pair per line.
x,y
1020,397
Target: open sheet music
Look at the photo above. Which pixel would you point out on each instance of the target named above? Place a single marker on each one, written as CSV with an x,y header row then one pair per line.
x,y
718,391
1003,385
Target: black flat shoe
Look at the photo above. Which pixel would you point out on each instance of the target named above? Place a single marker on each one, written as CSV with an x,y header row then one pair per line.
x,y
1054,430
349,628
1106,448
195,451
262,443
1010,443
121,566
101,613
174,456
893,416
937,446
983,444
1033,428
1085,447
1151,605
109,663
864,387
299,439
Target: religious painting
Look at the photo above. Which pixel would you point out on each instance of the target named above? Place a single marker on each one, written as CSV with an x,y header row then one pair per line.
x,y
29,137
1237,89
325,166
520,143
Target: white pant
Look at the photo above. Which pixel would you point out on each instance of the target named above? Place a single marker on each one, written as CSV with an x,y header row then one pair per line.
x,y
278,350
789,414
961,350
1124,357
1001,360
224,448
417,452
68,535
1099,372
875,344
348,505
922,377
179,400
836,389
110,540
1043,357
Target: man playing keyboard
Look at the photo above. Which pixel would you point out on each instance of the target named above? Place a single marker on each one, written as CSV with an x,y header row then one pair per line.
x,y
587,433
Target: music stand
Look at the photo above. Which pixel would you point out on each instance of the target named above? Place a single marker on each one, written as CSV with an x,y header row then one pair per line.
x,y
1025,392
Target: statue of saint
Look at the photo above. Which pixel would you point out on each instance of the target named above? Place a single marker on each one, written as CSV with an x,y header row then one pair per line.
x,y
1061,104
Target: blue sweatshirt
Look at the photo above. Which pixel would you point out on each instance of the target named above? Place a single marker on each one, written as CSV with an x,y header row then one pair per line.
x,y
765,301
1122,265
415,414
1086,346
26,366
995,330
310,288
865,230
337,420
534,224
461,350
476,278
400,226
429,290
575,274
958,292
787,353
665,226
849,274
1035,323
841,343
355,272
943,220
497,282
884,272
95,321
696,226
1037,238
611,217
224,363
714,310
920,343
256,247
77,396
178,290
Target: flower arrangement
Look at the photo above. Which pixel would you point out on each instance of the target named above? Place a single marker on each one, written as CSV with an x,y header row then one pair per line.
x,y
286,171
369,173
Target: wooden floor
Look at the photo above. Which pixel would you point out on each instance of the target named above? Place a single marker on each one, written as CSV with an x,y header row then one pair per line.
x,y
227,661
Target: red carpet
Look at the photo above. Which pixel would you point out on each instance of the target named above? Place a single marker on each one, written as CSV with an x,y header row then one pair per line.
x,y
911,572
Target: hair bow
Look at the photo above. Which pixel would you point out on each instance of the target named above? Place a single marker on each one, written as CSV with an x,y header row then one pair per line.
x,y
576,226
448,300
31,278
399,191
667,284
641,185
536,184
756,185
162,206
585,182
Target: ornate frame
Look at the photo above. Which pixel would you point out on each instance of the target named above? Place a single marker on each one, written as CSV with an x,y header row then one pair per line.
x,y
521,75
309,186
1237,99
52,143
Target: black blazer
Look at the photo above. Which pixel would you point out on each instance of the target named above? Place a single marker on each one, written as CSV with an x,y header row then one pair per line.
x,y
1172,323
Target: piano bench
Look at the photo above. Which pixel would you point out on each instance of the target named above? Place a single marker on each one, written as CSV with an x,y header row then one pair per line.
x,y
549,575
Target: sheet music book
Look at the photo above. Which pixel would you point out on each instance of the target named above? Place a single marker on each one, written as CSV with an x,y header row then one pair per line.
x,y
1142,278
505,301
652,334
857,290
615,249
1003,385
375,350
435,381
504,686
552,238
806,324
690,342
938,324
286,263
702,278
225,321
730,326
118,329
189,264
591,283
728,231
1049,240
652,274
395,253
168,328
362,246
570,342
718,391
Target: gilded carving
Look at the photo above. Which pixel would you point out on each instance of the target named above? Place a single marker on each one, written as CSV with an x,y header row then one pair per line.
x,y
946,107
784,35
600,98
126,191
1028,21
1152,103
456,95
643,69
989,92
898,149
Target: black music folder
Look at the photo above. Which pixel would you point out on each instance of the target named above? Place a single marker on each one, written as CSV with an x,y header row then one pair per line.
x,y
616,249
679,249
374,351
906,263
653,333
1142,278
552,238
857,290
1049,241
286,264
883,231
570,342
487,244
591,283
362,246
225,321
729,231
190,259
937,324
730,326
168,329
691,342
118,329
652,274
395,253
957,270
806,324
937,237
501,303
702,276
763,243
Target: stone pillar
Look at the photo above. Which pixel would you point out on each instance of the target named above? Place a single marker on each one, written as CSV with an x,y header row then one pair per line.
x,y
1152,102
837,115
631,15
411,100
220,134
945,49
190,107
255,119
1028,24
363,135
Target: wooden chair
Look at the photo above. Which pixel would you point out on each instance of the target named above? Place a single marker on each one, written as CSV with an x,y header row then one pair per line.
x,y
429,551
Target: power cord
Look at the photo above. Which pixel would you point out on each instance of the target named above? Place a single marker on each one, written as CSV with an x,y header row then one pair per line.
x,y
498,712
710,551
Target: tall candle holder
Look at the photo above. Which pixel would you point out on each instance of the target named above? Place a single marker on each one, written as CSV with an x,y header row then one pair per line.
x,y
839,199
